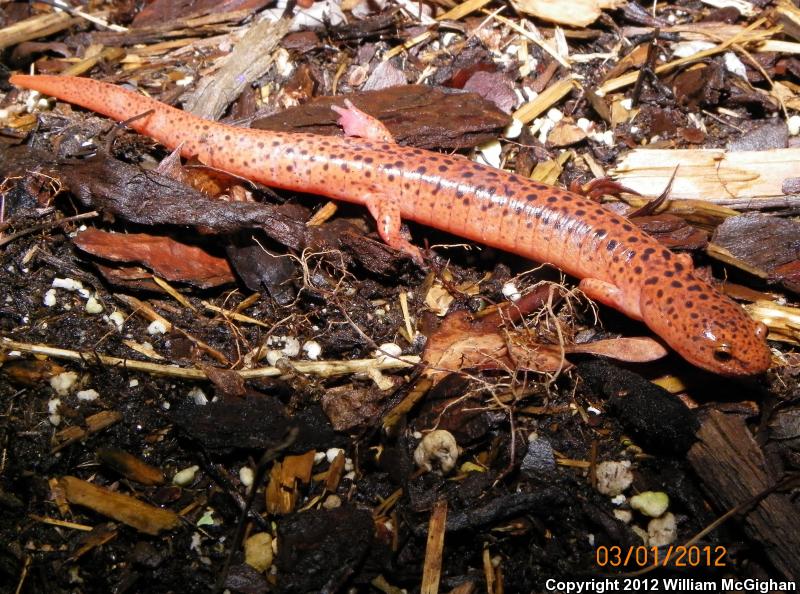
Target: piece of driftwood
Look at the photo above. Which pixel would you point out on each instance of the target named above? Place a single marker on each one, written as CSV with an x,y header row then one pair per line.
x,y
737,179
733,470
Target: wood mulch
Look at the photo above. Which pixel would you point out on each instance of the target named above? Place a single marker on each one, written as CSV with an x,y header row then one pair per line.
x,y
208,385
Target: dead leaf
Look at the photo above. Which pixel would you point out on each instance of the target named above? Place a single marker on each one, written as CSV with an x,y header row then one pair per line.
x,y
631,350
168,258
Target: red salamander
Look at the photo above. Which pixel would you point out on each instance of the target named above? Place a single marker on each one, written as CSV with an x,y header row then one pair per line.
x,y
620,265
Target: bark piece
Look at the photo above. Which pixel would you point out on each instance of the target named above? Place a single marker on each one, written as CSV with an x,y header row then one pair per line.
x,y
416,115
769,244
733,469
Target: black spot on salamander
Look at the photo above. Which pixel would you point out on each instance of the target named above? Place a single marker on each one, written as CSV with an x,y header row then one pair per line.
x,y
422,169
552,199
637,270
660,293
289,168
678,266
669,273
465,202
326,166
566,198
580,212
677,284
627,227
633,239
694,288
368,160
703,296
531,197
467,174
459,193
646,253
227,137
653,280
391,177
442,168
612,245
666,254
688,304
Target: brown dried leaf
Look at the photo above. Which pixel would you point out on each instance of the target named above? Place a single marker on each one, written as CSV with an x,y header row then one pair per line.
x,y
459,344
632,350
167,257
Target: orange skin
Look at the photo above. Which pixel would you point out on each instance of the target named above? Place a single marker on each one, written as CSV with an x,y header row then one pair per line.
x,y
620,265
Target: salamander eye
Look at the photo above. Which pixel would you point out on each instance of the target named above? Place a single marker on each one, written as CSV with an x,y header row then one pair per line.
x,y
722,352
761,330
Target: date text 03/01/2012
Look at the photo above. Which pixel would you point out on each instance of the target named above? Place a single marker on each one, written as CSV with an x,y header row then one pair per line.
x,y
600,586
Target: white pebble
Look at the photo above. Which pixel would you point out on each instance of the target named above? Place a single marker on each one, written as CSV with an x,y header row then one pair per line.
x,y
514,129
650,503
117,318
662,531
555,115
490,152
63,382
273,357
332,501
685,49
87,395
246,476
623,515
157,327
291,347
511,292
793,123
627,104
438,446
133,383
735,65
198,396
50,298
93,306
614,477
585,124
258,551
52,408
332,453
68,284
185,476
312,349
387,350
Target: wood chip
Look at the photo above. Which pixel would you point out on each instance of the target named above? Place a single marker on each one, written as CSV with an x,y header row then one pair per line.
x,y
730,178
123,508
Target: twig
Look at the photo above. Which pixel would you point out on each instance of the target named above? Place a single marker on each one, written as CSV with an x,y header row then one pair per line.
x,y
49,224
318,368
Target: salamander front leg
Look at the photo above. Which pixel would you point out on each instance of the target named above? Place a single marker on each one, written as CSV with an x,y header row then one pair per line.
x,y
355,122
610,295
387,214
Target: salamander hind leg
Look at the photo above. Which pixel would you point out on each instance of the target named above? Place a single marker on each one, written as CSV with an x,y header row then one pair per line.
x,y
386,212
610,295
355,122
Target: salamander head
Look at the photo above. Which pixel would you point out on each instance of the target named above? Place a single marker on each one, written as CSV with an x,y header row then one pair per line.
x,y
706,328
